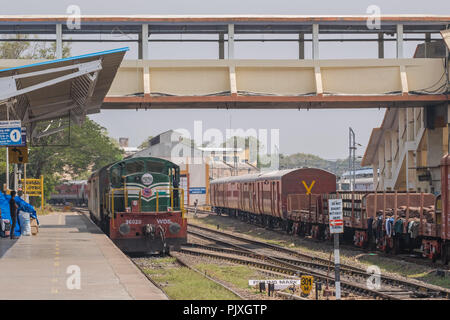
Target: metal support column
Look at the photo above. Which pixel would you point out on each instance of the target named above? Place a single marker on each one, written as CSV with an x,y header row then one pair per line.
x,y
380,46
399,41
15,177
231,41
337,266
315,41
221,46
59,47
301,46
352,158
7,154
427,43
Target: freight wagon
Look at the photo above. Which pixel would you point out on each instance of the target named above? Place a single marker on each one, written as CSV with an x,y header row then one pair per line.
x,y
297,201
263,197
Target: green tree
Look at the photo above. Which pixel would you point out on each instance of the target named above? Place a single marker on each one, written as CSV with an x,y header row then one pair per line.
x,y
31,49
145,143
90,149
299,160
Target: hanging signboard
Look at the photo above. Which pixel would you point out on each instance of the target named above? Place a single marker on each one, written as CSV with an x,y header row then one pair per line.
x,y
10,133
18,154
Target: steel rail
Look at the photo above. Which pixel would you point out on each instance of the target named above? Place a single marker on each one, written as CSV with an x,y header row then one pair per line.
x,y
346,285
322,264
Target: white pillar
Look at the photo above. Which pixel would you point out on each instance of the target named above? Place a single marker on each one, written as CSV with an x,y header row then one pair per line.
x,y
59,47
399,41
144,53
407,169
375,175
315,39
231,41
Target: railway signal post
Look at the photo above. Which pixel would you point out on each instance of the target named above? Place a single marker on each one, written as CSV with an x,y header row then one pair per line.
x,y
336,227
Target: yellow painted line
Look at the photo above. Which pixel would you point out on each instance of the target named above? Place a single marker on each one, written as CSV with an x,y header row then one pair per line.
x,y
56,264
54,290
54,280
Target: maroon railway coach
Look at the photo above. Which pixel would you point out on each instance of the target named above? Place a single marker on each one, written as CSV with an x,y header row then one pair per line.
x,y
263,197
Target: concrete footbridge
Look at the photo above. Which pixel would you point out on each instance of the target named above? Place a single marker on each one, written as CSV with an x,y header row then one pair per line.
x,y
228,82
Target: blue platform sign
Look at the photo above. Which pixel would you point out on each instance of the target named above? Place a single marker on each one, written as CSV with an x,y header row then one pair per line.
x,y
197,190
10,133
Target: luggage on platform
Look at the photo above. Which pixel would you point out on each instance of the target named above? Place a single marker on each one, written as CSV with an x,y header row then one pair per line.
x,y
25,227
5,226
34,227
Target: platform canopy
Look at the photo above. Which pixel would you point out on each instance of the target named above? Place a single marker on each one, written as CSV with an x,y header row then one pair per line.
x,y
70,87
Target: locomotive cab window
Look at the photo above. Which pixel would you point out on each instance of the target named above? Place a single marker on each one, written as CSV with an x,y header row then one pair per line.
x,y
115,176
134,167
155,166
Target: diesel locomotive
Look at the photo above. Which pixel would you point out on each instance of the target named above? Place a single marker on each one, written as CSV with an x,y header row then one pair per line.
x,y
137,202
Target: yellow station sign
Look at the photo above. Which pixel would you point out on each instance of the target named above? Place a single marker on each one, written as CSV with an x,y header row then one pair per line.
x,y
306,284
33,187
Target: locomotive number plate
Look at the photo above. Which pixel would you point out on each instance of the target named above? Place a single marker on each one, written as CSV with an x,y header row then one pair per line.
x,y
133,221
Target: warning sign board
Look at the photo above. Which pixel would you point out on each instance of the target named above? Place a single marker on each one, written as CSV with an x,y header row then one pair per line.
x,y
336,215
18,154
306,284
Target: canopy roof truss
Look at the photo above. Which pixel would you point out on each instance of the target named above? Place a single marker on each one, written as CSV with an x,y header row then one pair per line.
x,y
55,89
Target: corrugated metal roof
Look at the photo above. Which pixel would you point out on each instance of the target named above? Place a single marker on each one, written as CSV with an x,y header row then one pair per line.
x,y
51,89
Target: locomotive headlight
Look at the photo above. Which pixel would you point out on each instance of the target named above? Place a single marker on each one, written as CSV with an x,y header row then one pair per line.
x,y
174,228
124,229
147,179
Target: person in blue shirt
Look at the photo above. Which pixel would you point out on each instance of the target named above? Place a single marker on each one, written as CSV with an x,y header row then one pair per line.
x,y
13,210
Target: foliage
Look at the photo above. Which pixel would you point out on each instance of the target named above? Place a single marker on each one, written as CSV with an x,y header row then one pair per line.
x,y
145,144
30,49
181,283
90,149
300,160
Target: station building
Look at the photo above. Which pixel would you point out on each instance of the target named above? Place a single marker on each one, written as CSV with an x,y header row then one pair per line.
x,y
408,146
197,165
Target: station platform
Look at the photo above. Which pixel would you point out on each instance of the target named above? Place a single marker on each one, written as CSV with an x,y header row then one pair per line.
x,y
46,266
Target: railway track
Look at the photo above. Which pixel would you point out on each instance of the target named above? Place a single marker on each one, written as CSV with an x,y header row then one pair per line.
x,y
306,264
401,257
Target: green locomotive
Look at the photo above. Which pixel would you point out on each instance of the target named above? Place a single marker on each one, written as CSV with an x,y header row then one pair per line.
x,y
137,202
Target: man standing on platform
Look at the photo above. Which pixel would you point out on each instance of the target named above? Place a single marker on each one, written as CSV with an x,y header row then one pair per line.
x,y
13,210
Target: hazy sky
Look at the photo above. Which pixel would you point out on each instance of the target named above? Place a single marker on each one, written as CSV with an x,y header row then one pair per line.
x,y
321,132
